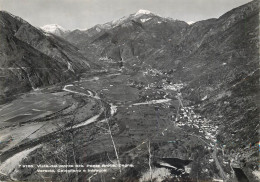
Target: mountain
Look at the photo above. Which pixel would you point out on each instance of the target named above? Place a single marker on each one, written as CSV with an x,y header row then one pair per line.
x,y
54,29
126,41
178,98
217,59
190,52
32,58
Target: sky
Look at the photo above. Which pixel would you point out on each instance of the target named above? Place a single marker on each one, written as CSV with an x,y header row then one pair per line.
x,y
83,14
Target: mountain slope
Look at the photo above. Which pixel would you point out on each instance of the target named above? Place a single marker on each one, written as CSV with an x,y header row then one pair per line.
x,y
31,59
124,42
217,60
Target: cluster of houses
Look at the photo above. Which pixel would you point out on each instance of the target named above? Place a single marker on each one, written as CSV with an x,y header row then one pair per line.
x,y
207,130
188,117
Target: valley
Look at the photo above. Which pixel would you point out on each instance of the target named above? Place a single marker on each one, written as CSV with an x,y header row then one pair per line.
x,y
142,98
136,117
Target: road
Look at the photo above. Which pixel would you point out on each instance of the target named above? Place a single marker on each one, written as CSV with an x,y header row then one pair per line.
x,y
214,155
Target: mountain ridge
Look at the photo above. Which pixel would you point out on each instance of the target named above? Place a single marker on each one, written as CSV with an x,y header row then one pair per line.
x,y
24,46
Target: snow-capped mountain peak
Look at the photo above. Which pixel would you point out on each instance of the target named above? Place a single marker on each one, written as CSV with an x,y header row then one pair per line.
x,y
54,29
190,22
142,12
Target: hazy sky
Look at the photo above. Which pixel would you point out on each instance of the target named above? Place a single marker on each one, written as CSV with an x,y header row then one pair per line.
x,y
72,14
